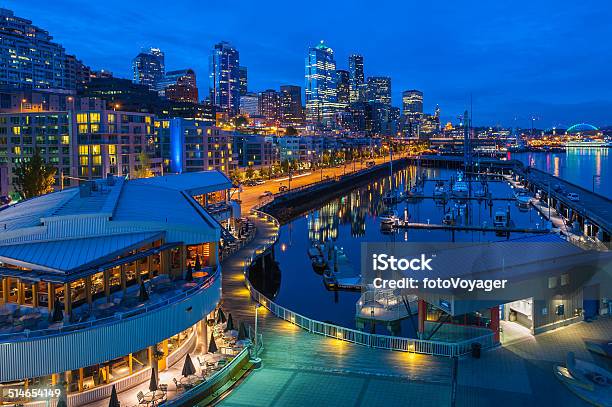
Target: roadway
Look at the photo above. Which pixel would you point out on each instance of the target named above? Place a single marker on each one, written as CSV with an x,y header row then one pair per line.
x,y
252,196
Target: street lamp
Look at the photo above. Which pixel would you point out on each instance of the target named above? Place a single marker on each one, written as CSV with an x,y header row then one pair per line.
x,y
255,359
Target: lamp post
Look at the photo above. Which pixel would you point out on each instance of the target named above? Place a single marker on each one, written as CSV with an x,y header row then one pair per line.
x,y
255,358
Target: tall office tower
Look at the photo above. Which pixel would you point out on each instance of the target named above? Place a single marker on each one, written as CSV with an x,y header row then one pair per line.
x,y
343,91
28,57
149,68
379,89
269,104
321,98
225,78
243,80
357,78
179,86
291,104
249,104
412,102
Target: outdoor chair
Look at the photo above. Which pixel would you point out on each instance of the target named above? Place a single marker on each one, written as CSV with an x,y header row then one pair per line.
x,y
140,397
178,385
163,387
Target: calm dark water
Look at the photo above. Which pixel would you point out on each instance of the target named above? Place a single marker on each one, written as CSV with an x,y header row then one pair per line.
x,y
353,219
577,165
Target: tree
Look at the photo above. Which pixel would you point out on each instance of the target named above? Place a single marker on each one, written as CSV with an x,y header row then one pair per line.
x,y
234,176
249,172
34,177
264,172
144,168
240,121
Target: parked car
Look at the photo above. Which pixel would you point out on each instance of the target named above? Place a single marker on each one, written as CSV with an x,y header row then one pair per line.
x,y
572,196
260,182
250,183
266,194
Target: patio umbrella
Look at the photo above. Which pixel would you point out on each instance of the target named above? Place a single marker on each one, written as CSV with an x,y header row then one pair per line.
x,y
198,265
188,368
58,314
242,332
114,400
230,323
212,346
153,381
189,274
221,316
143,295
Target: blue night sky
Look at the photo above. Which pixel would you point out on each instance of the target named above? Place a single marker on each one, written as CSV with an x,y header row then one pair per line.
x,y
552,59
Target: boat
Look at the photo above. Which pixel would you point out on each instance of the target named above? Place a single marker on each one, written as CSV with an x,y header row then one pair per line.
x,y
500,220
319,265
448,219
460,187
439,190
393,197
600,347
415,193
523,200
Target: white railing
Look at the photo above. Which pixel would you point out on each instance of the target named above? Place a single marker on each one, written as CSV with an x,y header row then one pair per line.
x,y
449,349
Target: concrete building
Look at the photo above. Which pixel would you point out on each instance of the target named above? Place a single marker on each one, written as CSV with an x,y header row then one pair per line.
x,y
249,104
379,90
269,105
195,145
28,56
292,113
180,86
252,150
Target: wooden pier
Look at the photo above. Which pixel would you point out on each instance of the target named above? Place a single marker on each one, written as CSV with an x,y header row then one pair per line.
x,y
475,228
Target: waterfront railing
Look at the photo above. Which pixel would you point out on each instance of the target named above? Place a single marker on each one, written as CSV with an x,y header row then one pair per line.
x,y
428,347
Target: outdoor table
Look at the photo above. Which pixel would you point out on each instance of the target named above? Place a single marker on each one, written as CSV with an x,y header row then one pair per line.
x,y
154,397
190,381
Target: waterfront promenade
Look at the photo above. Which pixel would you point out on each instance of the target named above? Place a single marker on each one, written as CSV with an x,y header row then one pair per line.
x,y
300,368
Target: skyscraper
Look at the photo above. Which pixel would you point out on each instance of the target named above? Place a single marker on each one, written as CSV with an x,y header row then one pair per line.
x,y
243,80
225,78
379,89
149,68
343,91
357,78
269,104
412,101
179,86
321,97
291,104
28,56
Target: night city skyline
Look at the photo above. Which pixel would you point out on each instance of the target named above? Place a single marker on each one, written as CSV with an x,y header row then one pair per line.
x,y
516,60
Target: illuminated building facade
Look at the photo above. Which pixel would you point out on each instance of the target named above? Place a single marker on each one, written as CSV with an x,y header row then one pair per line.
x,y
291,105
343,90
149,68
321,96
224,71
180,86
243,80
249,104
269,105
379,89
28,56
357,78
195,145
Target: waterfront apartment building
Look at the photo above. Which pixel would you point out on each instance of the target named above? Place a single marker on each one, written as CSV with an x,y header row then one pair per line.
x,y
118,304
379,89
85,141
320,90
195,145
149,68
253,150
224,71
29,57
292,113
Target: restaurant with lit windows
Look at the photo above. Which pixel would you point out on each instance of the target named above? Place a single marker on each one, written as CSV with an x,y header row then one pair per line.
x,y
103,282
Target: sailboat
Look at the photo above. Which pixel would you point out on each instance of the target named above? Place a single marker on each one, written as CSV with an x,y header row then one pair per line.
x,y
394,195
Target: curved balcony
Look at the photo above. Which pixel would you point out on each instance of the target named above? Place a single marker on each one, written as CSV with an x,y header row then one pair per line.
x,y
42,352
